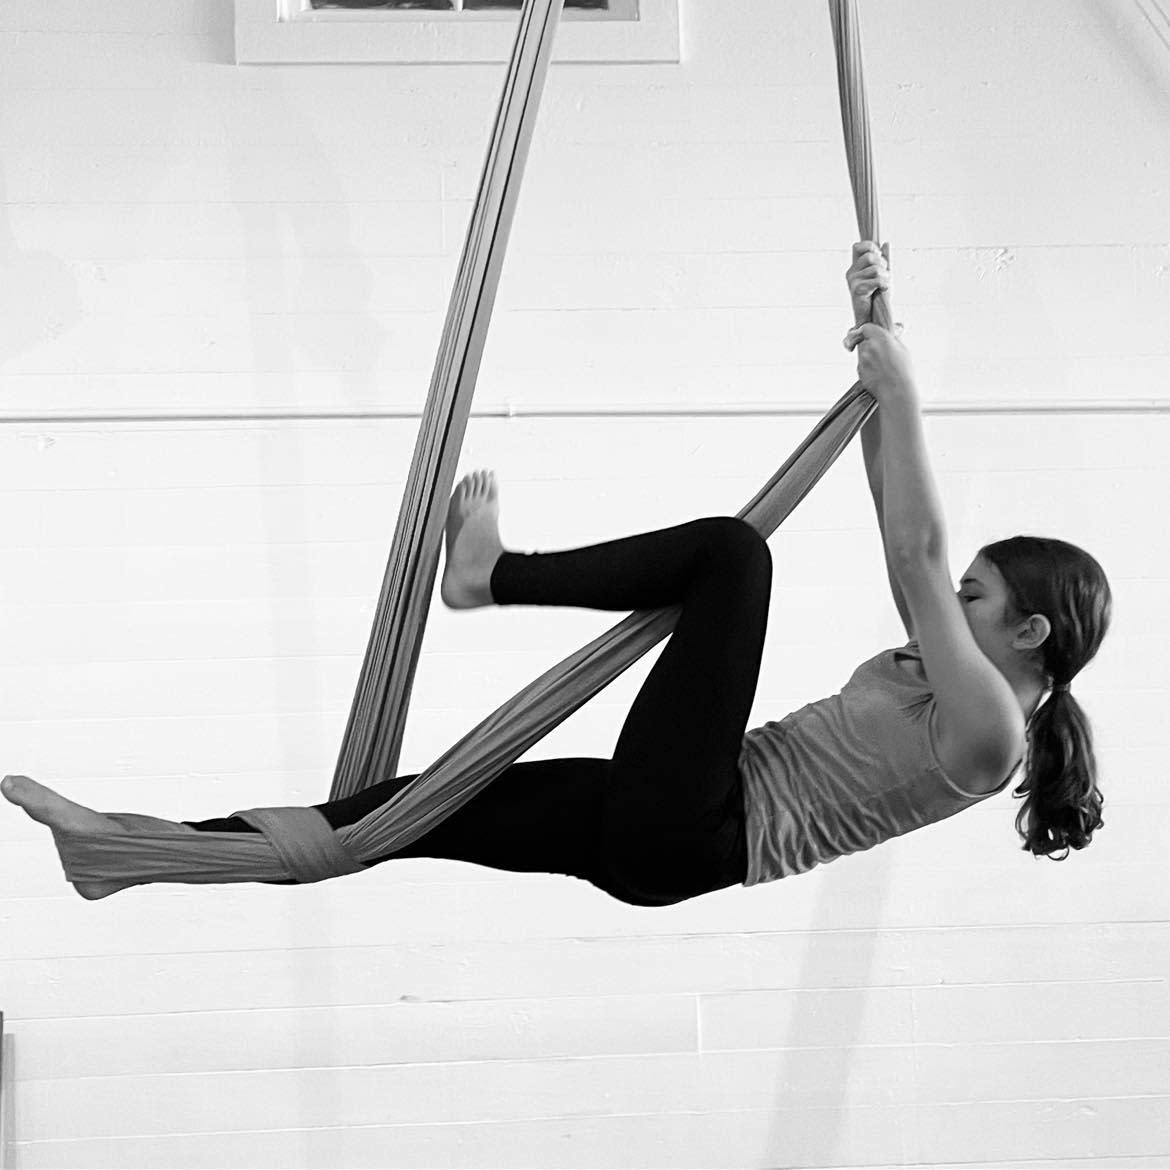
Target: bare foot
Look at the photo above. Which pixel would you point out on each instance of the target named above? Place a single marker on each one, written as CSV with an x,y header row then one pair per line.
x,y
473,542
50,808
62,816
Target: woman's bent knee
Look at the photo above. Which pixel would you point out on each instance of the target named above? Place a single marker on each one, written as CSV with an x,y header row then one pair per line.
x,y
733,538
734,545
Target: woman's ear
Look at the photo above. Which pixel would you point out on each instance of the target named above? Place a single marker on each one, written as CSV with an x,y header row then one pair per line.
x,y
1037,629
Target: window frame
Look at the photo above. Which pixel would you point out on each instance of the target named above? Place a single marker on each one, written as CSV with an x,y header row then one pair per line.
x,y
288,32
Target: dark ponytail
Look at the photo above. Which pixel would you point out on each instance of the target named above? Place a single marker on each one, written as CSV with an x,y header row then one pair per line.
x,y
1063,804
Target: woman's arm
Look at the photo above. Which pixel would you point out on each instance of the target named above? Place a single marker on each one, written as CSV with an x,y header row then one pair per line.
x,y
914,521
976,707
912,509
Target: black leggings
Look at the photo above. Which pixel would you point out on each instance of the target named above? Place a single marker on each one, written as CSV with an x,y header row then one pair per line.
x,y
663,820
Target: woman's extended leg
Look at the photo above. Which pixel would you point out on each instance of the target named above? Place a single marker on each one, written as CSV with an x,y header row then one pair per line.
x,y
541,816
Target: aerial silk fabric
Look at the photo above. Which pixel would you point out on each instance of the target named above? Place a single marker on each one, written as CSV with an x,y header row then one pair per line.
x,y
373,737
297,843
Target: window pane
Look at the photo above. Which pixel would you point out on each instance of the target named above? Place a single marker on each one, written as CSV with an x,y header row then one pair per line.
x,y
603,5
449,5
435,5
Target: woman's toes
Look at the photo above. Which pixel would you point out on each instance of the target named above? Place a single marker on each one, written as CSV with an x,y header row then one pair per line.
x,y
51,808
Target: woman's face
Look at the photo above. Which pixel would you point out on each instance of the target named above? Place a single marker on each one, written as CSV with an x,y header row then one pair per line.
x,y
983,598
982,594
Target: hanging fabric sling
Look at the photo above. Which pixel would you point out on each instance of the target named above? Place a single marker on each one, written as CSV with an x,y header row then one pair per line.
x,y
298,843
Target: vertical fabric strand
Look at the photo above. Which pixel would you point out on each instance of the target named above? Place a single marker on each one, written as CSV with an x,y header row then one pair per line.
x,y
858,145
373,735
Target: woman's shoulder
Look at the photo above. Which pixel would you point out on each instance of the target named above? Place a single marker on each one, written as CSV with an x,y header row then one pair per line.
x,y
951,744
954,757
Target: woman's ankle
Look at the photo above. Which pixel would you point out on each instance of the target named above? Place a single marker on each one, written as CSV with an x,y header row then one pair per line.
x,y
491,578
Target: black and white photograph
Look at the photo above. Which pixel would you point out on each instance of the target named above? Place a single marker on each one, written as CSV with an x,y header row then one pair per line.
x,y
583,584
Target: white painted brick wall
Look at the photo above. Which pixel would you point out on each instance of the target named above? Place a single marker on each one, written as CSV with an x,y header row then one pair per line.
x,y
186,604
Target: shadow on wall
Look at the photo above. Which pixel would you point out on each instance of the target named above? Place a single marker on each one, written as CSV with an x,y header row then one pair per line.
x,y
822,971
39,299
221,33
7,1096
315,239
1139,43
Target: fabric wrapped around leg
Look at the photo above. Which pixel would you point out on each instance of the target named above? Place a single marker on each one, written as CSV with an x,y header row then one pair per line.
x,y
304,841
157,847
292,843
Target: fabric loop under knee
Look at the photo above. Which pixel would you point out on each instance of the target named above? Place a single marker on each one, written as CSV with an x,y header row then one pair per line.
x,y
304,841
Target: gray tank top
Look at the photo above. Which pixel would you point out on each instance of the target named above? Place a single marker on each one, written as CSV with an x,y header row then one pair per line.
x,y
845,773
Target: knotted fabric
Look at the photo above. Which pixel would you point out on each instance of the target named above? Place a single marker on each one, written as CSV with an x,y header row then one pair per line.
x,y
304,841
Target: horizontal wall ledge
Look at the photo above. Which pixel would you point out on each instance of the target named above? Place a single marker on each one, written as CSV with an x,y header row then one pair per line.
x,y
591,410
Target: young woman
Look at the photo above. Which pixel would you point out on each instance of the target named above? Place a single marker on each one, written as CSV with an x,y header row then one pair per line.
x,y
689,802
